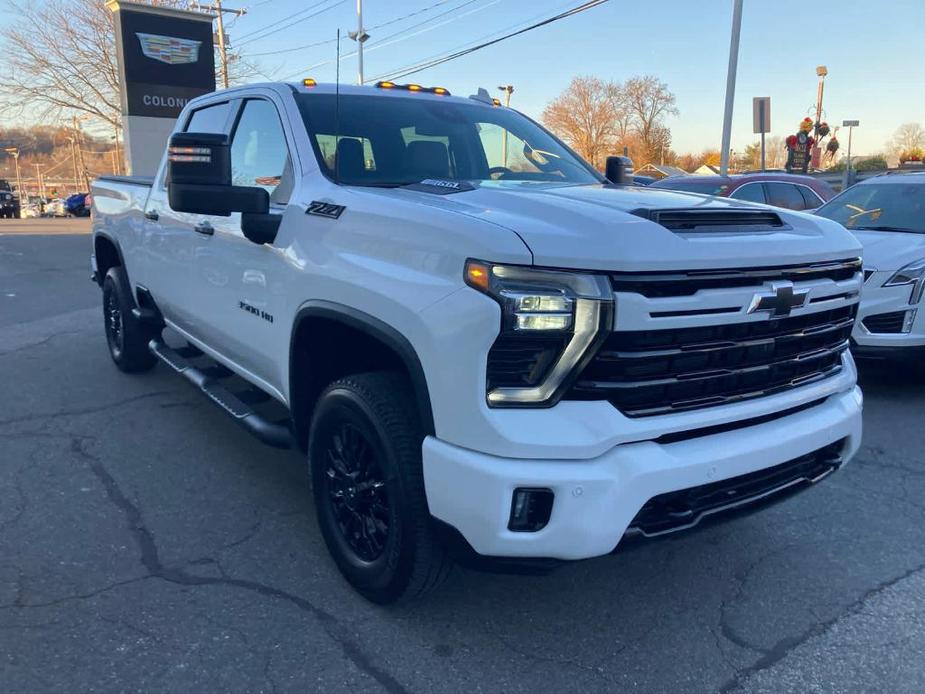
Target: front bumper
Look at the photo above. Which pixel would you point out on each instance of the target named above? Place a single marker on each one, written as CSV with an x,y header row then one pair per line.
x,y
876,300
596,500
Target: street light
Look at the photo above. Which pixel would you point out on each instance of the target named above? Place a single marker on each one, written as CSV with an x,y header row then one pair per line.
x,y
508,90
14,152
360,36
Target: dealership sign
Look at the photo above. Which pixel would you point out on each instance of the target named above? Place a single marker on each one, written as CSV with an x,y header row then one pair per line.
x,y
165,58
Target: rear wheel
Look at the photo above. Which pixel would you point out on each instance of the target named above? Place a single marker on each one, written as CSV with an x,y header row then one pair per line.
x,y
367,479
126,337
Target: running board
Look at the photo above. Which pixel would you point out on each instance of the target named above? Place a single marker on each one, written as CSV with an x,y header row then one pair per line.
x,y
276,435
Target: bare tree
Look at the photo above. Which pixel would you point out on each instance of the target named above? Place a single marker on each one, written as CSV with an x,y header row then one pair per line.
x,y
585,116
649,102
908,137
59,58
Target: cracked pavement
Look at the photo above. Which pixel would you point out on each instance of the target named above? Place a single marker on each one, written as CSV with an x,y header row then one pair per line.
x,y
147,543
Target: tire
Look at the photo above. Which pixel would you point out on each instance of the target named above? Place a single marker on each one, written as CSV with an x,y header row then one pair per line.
x,y
362,425
126,337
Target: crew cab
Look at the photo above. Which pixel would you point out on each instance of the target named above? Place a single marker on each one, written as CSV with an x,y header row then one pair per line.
x,y
498,357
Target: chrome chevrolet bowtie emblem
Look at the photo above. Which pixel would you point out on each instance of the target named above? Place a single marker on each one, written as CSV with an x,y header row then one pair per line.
x,y
779,300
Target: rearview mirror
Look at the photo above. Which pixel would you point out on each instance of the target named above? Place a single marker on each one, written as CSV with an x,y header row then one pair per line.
x,y
199,178
619,170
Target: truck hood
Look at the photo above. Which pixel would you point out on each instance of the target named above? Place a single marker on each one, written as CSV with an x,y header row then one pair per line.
x,y
890,250
591,227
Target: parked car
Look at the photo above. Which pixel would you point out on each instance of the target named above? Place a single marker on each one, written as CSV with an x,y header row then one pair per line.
x,y
789,191
55,208
644,180
505,365
76,205
9,202
32,210
887,215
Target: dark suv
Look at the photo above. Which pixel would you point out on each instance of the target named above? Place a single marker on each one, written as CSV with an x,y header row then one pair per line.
x,y
9,203
790,191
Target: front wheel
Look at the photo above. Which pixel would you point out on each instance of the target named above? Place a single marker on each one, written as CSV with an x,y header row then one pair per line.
x,y
126,337
368,485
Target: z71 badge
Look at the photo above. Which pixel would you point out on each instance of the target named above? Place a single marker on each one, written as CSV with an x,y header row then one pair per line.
x,y
325,209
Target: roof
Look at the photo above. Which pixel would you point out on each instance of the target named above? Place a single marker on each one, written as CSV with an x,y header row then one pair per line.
x,y
662,169
896,176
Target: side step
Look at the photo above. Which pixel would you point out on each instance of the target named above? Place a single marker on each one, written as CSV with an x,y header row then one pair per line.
x,y
276,435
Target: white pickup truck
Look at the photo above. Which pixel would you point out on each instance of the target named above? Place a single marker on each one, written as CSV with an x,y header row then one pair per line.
x,y
488,351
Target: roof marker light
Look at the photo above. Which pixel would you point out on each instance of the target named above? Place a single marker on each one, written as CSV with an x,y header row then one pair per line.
x,y
385,85
309,82
496,101
414,87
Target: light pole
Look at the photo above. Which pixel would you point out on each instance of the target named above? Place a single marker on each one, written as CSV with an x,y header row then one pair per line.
x,y
730,86
508,90
360,36
14,152
821,72
851,125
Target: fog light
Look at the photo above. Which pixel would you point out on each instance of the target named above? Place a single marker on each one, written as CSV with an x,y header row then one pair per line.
x,y
530,509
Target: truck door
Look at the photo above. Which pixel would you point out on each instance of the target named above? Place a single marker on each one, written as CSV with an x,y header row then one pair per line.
x,y
169,237
237,293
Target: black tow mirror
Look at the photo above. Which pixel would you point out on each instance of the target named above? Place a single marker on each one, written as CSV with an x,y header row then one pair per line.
x,y
619,170
199,178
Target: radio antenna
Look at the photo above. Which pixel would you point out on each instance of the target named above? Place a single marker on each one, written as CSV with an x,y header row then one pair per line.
x,y
337,113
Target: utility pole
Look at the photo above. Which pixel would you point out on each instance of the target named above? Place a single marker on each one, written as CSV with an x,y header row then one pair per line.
x,y
223,40
41,183
730,86
360,36
508,90
80,155
73,139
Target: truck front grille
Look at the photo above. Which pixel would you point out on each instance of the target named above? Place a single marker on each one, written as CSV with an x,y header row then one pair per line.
x,y
655,372
685,508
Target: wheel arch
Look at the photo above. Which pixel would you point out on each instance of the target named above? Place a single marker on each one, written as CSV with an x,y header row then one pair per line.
x,y
330,340
108,254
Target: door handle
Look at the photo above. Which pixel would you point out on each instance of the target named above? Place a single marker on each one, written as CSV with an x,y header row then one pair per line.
x,y
152,215
204,228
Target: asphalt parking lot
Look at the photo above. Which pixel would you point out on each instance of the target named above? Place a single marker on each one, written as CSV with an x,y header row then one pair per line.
x,y
148,544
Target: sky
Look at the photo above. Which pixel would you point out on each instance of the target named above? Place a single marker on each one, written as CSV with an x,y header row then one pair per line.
x,y
872,48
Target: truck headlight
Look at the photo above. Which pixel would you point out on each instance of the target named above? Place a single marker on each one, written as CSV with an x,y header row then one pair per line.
x,y
914,274
551,323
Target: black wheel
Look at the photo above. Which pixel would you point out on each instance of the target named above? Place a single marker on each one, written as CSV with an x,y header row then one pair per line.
x,y
126,337
365,459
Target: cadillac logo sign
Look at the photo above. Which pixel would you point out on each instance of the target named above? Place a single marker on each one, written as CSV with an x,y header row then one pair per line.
x,y
168,49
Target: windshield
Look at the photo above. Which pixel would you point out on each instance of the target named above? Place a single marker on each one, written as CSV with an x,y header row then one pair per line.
x,y
397,141
879,206
703,187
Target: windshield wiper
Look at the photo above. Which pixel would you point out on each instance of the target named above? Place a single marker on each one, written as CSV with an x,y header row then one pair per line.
x,y
887,227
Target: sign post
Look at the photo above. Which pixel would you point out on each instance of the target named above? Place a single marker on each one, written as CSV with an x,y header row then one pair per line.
x,y
761,119
165,59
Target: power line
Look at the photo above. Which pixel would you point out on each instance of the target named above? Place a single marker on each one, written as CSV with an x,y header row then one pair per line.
x,y
288,21
409,70
491,34
373,28
383,42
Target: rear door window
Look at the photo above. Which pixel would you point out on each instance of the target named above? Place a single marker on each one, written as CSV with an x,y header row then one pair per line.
x,y
750,192
810,198
785,195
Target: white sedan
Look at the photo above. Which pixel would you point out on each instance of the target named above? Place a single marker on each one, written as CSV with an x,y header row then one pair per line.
x,y
887,215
